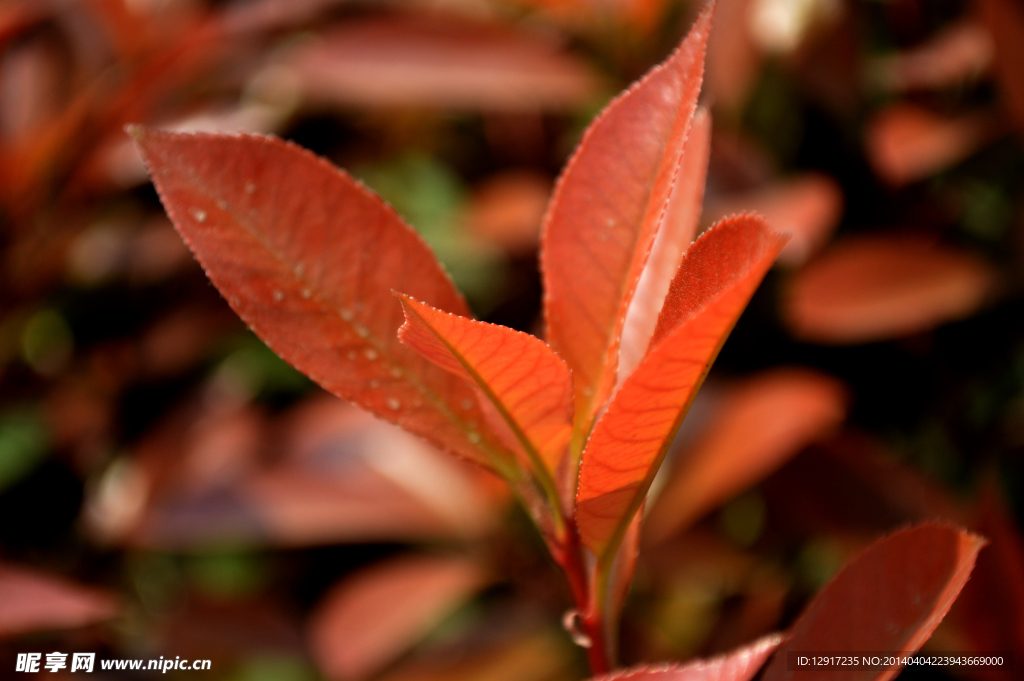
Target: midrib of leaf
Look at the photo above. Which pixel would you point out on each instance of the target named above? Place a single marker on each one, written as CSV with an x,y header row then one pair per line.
x,y
428,395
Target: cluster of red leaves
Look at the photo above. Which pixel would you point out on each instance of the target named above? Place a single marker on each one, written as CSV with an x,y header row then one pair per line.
x,y
335,282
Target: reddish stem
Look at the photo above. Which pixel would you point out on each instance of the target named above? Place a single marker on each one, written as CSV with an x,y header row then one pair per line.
x,y
570,556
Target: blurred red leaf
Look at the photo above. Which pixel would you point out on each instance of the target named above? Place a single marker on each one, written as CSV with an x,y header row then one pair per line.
x,y
764,421
882,286
733,57
739,665
308,258
370,618
641,15
677,231
605,214
886,599
906,143
31,601
808,207
342,476
716,279
449,62
1005,21
527,383
957,53
507,210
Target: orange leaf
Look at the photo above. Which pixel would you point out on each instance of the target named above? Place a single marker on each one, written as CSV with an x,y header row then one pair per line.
x,y
878,287
677,230
889,598
308,258
373,617
766,420
738,665
716,279
605,214
527,383
35,602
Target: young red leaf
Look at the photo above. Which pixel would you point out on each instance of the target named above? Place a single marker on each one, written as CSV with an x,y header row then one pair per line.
x,y
308,257
605,213
738,665
716,279
889,598
527,383
678,228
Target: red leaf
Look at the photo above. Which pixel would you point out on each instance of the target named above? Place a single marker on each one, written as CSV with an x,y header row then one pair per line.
x,y
338,475
808,206
879,287
766,420
955,54
527,383
677,230
738,665
444,61
507,209
605,214
734,59
308,258
35,602
889,598
906,143
716,279
374,616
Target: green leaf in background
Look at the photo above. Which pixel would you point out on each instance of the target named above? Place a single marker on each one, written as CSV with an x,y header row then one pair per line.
x,y
227,575
46,342
24,439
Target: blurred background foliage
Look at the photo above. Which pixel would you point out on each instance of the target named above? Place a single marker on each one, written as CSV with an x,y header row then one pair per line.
x,y
168,486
